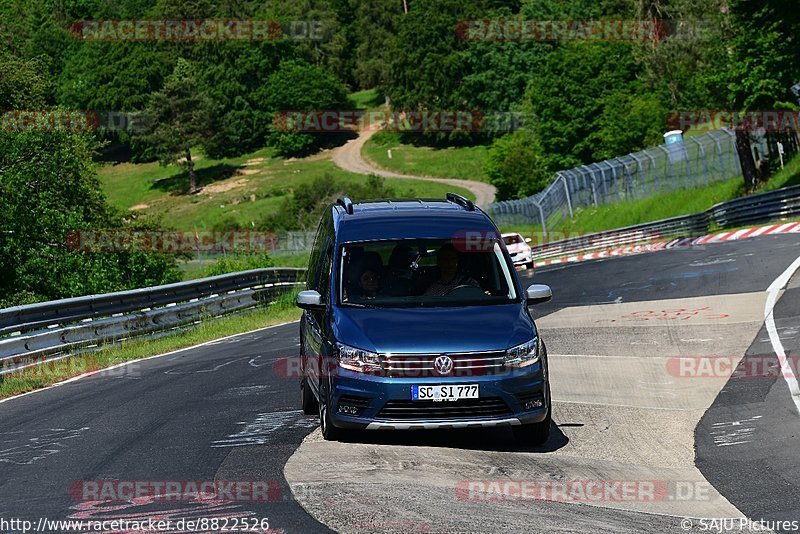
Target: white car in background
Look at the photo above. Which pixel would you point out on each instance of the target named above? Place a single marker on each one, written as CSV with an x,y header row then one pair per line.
x,y
519,250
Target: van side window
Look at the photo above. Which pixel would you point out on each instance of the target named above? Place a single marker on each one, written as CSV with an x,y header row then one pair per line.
x,y
324,234
325,275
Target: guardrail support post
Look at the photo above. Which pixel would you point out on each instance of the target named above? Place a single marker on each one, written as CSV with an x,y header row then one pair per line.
x,y
703,157
639,172
541,218
671,168
566,192
688,166
654,171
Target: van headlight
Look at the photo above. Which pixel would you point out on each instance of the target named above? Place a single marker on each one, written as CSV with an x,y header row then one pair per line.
x,y
522,355
359,360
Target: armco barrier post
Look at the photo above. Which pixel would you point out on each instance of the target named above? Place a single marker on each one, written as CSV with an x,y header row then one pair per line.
x,y
566,192
541,218
719,155
671,169
654,170
639,173
703,158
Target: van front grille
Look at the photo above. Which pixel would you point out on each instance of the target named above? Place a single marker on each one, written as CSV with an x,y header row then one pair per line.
x,y
424,365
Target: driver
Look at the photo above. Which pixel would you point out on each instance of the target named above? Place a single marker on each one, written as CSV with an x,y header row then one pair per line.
x,y
449,277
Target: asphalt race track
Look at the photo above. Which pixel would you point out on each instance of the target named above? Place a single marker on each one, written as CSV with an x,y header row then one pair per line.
x,y
628,339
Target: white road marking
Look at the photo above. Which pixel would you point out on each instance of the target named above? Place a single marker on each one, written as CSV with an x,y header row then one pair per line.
x,y
727,433
213,369
253,361
769,320
73,379
39,446
699,263
259,431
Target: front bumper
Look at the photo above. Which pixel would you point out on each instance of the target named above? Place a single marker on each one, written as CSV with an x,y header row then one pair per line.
x,y
521,258
481,423
514,398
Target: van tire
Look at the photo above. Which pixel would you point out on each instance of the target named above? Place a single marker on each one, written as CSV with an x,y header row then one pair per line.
x,y
329,432
307,398
533,433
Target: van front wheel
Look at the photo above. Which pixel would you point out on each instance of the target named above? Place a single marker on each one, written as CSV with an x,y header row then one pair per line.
x,y
329,432
307,398
534,433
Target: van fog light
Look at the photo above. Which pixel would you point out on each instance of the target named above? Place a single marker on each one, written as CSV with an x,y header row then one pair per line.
x,y
349,410
536,403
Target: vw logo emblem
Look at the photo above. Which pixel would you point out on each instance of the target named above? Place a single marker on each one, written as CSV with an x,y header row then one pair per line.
x,y
443,365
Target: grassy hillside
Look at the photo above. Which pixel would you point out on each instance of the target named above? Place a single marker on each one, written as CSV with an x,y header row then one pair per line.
x,y
465,163
368,99
239,190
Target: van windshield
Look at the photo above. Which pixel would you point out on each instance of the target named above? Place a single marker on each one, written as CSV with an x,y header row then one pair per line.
x,y
424,272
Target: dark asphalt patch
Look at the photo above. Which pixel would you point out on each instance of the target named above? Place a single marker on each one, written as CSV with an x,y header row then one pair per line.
x,y
743,266
175,418
747,442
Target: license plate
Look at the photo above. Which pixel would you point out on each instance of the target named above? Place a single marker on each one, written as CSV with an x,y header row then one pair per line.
x,y
444,393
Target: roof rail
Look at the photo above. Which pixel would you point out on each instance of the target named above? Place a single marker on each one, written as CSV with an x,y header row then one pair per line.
x,y
458,199
346,203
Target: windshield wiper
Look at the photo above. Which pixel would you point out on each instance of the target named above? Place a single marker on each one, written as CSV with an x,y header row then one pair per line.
x,y
360,305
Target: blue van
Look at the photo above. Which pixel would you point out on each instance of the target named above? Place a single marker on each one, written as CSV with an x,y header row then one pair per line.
x,y
414,318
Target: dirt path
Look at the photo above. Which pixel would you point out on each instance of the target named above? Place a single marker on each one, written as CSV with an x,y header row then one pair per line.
x,y
349,158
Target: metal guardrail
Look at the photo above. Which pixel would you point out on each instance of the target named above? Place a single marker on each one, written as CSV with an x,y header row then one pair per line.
x,y
763,207
776,205
640,233
46,331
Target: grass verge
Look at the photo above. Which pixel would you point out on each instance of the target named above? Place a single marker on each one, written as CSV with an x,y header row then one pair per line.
x,y
32,378
620,214
788,176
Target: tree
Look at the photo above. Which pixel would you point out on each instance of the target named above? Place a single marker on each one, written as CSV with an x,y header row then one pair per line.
x,y
587,104
516,167
181,119
377,23
233,75
23,84
48,189
764,64
688,61
300,86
